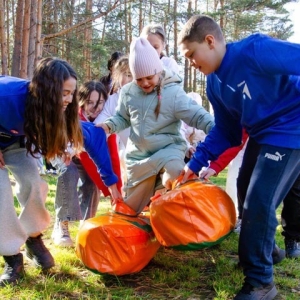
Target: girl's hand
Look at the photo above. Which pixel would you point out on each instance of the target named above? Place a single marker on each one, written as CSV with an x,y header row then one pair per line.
x,y
116,196
2,163
191,151
186,172
104,126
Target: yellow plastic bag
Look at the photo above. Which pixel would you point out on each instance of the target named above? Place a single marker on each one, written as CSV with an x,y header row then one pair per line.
x,y
116,243
192,216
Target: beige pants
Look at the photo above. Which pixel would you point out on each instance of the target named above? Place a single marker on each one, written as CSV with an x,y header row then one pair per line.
x,y
139,196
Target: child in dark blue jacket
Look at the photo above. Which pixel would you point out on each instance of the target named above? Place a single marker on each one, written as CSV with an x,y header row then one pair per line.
x,y
39,117
255,84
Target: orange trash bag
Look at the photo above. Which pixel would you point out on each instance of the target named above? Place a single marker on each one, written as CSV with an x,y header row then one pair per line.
x,y
117,242
192,216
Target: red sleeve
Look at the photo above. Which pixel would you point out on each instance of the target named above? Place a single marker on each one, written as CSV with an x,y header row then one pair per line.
x,y
115,159
92,170
227,156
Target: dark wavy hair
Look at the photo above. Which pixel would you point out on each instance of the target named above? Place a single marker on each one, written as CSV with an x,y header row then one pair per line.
x,y
107,79
113,58
85,90
47,128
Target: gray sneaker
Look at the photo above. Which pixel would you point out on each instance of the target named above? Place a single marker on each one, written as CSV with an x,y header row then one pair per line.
x,y
61,235
292,248
237,228
264,292
278,255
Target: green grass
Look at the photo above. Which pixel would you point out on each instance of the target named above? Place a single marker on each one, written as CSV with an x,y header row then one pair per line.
x,y
220,180
211,273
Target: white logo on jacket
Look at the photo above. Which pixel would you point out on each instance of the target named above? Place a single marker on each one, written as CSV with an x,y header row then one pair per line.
x,y
276,157
245,91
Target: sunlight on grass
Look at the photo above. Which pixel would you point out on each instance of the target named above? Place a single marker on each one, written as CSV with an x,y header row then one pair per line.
x,y
210,273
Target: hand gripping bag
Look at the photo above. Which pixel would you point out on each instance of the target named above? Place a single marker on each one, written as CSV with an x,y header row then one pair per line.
x,y
191,216
117,242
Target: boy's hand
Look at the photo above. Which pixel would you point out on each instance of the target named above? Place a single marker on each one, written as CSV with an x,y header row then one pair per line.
x,y
205,173
104,126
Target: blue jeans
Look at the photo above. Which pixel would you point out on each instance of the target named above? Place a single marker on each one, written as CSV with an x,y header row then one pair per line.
x,y
74,203
275,172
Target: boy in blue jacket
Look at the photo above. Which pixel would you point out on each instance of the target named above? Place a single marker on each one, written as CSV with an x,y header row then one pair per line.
x,y
255,84
39,117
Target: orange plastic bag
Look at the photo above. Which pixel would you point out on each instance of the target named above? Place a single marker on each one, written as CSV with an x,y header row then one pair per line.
x,y
116,243
192,216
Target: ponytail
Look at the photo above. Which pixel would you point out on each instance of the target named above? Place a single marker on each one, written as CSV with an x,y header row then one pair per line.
x,y
158,91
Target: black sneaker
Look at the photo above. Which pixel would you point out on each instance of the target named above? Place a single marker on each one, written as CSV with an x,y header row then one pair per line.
x,y
13,270
38,253
292,248
278,255
249,292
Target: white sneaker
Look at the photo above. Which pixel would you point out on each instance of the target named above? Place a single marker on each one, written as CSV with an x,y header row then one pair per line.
x,y
81,223
61,236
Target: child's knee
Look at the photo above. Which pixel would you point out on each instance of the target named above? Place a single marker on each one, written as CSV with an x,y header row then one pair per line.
x,y
172,170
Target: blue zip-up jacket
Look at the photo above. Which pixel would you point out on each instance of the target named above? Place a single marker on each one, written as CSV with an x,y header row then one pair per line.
x,y
13,94
257,86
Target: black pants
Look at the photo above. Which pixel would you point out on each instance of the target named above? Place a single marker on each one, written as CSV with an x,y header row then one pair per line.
x,y
290,215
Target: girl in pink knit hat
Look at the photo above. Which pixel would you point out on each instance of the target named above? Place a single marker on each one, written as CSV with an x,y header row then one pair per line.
x,y
152,106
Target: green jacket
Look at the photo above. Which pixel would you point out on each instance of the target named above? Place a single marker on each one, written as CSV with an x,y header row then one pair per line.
x,y
153,142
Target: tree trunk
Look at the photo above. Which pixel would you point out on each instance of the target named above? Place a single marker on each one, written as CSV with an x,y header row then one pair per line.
x,y
175,30
3,40
222,15
187,68
126,25
88,41
9,18
103,29
38,44
16,59
150,11
25,40
32,38
69,23
194,88
140,16
129,26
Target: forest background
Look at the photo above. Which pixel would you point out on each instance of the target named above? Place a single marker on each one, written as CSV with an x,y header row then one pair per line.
x,y
85,33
